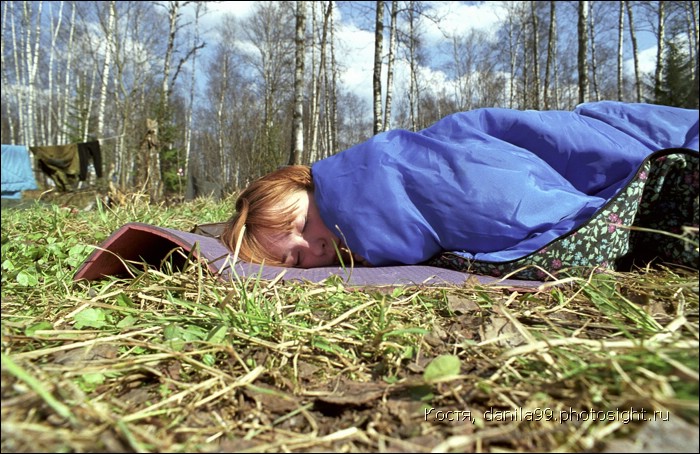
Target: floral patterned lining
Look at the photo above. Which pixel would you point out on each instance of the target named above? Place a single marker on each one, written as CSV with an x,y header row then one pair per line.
x,y
662,196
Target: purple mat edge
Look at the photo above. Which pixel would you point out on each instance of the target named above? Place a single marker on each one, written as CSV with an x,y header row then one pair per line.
x,y
103,261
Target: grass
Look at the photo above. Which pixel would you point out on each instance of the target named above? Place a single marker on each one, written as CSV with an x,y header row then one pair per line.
x,y
180,361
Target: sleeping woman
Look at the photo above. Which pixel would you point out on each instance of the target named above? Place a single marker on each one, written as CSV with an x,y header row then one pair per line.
x,y
492,184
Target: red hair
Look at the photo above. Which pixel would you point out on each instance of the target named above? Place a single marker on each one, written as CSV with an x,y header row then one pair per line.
x,y
263,208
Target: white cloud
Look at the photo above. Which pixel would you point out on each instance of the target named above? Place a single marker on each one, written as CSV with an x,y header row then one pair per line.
x,y
239,9
647,62
458,18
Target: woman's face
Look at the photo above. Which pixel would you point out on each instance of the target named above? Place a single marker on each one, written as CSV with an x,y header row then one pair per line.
x,y
310,244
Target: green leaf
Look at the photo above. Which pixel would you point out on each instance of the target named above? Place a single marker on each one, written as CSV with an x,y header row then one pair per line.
x,y
30,330
94,378
127,321
442,368
209,359
26,280
92,317
218,334
172,331
193,333
124,301
7,265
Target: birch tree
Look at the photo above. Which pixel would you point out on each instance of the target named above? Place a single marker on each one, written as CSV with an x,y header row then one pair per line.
x,y
48,125
661,49
31,57
390,65
333,111
534,21
594,62
298,119
4,68
635,53
200,10
319,81
377,73
63,111
583,94
550,66
109,32
620,48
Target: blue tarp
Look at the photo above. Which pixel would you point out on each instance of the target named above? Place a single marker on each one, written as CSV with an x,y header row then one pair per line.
x,y
17,174
496,183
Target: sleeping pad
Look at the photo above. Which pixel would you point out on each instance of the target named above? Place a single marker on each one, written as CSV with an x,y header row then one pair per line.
x,y
531,193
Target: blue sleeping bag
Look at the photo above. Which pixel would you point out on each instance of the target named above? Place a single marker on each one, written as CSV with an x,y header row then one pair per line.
x,y
492,185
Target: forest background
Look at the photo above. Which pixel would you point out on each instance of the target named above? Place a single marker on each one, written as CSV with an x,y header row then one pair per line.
x,y
189,100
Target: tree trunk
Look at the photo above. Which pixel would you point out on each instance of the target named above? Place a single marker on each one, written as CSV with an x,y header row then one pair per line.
x,y
583,95
551,53
658,74
413,95
635,54
63,117
535,55
298,116
594,63
390,65
32,59
691,16
320,82
377,75
49,123
150,150
620,49
189,176
109,38
311,150
333,140
4,68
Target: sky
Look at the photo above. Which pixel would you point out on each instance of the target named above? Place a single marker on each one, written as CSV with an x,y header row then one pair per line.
x,y
358,53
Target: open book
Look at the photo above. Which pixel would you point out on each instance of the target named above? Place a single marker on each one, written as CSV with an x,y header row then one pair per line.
x,y
138,243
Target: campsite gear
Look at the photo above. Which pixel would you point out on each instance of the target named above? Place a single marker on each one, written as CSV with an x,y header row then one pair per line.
x,y
90,151
154,245
59,162
17,174
494,190
68,164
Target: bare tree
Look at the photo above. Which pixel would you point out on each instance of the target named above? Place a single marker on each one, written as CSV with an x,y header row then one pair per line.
x,y
63,112
661,49
107,66
692,21
535,54
635,52
377,74
550,66
583,94
620,48
273,63
332,93
390,65
8,113
319,83
200,9
298,120
31,57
